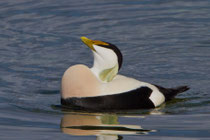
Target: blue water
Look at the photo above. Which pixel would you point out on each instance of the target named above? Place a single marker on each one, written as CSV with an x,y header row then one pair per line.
x,y
163,42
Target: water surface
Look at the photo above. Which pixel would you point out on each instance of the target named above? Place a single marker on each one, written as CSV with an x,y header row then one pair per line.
x,y
163,42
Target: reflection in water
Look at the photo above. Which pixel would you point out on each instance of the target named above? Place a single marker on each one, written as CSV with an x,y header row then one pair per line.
x,y
104,126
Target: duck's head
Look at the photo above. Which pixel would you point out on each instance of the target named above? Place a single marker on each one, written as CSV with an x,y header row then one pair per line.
x,y
107,59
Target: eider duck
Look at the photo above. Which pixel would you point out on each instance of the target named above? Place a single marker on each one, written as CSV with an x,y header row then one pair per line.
x,y
101,88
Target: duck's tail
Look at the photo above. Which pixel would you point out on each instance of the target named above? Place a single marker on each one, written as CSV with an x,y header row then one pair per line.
x,y
170,93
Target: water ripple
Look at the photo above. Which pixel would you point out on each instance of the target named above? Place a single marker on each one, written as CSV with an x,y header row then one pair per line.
x,y
163,42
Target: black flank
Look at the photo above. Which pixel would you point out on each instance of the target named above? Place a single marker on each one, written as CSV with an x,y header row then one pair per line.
x,y
135,99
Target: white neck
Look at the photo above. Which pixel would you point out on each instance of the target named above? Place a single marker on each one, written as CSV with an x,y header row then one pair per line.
x,y
97,64
105,65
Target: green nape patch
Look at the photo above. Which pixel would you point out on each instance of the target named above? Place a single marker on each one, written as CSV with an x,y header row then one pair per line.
x,y
107,75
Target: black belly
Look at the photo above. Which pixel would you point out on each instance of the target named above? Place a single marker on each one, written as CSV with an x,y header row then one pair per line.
x,y
135,99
